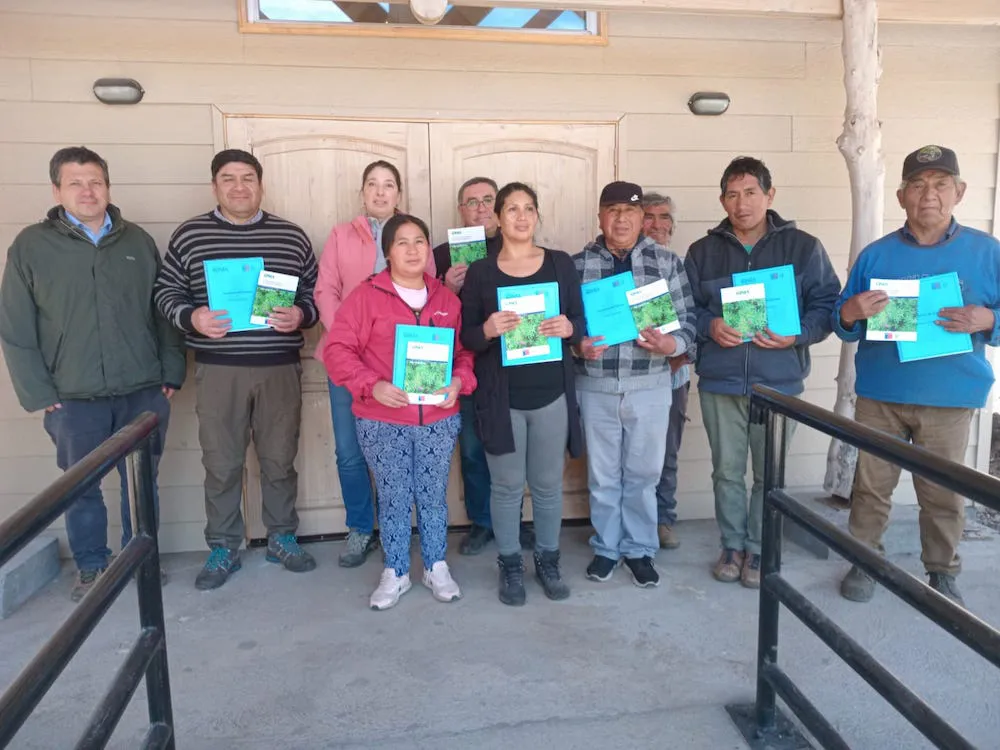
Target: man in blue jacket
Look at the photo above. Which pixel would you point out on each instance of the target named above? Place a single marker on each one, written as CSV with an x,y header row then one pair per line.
x,y
930,402
751,237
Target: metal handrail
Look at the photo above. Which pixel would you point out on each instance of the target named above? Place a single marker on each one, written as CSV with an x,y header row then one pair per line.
x,y
139,559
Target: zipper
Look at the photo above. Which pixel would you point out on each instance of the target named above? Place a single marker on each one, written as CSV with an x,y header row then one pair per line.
x,y
416,317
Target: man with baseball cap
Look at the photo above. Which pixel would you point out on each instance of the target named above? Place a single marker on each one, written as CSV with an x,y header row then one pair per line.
x,y
624,392
929,402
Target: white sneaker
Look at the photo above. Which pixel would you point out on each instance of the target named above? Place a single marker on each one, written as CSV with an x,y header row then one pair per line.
x,y
390,588
438,579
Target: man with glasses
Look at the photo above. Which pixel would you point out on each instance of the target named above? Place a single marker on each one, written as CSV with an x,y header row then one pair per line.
x,y
476,200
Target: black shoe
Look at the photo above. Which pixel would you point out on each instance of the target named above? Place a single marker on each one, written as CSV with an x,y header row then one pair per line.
x,y
285,549
511,579
527,537
221,564
644,575
601,568
547,573
945,585
475,541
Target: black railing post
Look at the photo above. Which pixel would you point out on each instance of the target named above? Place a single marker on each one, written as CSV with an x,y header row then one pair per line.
x,y
148,586
770,564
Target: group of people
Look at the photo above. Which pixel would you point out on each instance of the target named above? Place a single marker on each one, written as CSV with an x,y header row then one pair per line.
x,y
94,325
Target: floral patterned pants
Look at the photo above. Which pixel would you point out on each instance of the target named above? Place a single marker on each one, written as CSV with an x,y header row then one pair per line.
x,y
411,465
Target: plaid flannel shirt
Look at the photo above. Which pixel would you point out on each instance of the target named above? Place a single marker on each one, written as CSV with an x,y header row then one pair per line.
x,y
628,367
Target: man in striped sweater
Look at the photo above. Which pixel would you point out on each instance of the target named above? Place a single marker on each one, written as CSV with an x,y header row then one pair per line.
x,y
247,382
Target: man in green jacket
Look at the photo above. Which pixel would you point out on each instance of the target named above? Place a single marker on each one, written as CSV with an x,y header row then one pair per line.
x,y
83,340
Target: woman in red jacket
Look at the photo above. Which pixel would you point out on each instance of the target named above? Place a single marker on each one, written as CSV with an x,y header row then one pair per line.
x,y
408,446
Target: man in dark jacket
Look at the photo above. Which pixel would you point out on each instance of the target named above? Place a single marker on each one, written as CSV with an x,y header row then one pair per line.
x,y
82,339
751,237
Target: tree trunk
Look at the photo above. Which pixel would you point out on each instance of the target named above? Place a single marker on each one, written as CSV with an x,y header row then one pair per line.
x,y
861,145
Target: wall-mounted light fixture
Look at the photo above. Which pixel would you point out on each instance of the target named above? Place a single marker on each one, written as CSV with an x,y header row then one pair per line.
x,y
708,103
118,90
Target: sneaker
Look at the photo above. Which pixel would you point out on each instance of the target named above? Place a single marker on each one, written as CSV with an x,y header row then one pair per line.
x,y
601,568
668,538
729,567
511,579
285,549
85,580
857,585
750,575
359,545
438,579
221,563
527,537
644,575
390,588
946,585
547,573
475,541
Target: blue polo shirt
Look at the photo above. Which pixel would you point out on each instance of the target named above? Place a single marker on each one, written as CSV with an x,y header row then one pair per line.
x,y
94,237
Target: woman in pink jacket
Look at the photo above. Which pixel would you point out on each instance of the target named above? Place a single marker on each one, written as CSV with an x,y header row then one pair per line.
x,y
408,446
351,254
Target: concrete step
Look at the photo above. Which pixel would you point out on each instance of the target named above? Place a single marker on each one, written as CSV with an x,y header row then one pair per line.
x,y
29,571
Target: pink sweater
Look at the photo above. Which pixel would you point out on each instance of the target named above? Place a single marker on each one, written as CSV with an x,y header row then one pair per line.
x,y
348,259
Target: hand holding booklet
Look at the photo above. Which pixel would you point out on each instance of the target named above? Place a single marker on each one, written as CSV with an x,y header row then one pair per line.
x,y
533,303
422,362
936,292
273,290
898,320
606,308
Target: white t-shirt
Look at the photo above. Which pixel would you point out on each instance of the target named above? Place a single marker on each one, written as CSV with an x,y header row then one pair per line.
x,y
415,298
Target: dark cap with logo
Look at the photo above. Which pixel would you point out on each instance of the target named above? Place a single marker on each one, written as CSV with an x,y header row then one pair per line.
x,y
930,157
621,192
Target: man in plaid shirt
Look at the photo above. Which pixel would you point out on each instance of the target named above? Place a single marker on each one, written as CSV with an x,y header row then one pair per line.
x,y
624,392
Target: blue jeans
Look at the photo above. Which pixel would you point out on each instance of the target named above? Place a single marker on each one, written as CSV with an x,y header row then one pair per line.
x,y
355,484
79,427
475,470
411,465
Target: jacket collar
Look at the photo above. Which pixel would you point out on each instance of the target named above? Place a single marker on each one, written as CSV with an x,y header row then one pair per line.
x,y
383,280
56,218
599,245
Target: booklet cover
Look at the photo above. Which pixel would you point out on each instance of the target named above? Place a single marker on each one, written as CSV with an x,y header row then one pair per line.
x,y
745,309
422,361
606,308
534,303
898,320
781,297
944,290
653,307
273,290
467,244
231,285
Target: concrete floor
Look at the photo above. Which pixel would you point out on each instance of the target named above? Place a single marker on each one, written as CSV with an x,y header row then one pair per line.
x,y
277,660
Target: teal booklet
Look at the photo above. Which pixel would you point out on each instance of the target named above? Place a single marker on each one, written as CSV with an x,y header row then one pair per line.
x,y
273,290
936,292
534,303
607,310
781,297
466,245
232,285
422,361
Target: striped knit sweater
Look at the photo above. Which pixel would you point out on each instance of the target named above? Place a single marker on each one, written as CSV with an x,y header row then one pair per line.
x,y
180,286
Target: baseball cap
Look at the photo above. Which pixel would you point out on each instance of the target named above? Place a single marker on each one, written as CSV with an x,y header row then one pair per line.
x,y
930,157
621,192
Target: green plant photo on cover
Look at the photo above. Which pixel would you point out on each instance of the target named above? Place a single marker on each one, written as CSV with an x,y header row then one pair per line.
x,y
526,334
425,377
899,316
468,252
654,313
267,299
748,316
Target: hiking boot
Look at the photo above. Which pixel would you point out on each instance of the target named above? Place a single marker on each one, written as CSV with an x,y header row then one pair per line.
x,y
668,538
946,585
547,573
601,568
527,537
729,567
359,545
390,588
475,541
750,575
644,575
285,549
221,563
85,580
857,585
511,579
438,579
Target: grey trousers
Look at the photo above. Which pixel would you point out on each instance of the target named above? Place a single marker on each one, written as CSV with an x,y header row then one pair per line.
x,y
233,405
666,490
539,457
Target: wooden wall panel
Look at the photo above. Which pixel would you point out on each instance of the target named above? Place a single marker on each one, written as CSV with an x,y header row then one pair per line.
x,y
157,164
95,123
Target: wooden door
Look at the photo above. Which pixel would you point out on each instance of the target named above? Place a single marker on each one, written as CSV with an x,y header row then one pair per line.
x,y
567,164
312,176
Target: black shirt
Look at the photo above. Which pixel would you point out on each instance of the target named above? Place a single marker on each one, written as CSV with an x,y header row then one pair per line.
x,y
538,385
442,254
621,264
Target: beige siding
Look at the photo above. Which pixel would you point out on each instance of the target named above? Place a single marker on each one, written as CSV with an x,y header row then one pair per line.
x,y
784,77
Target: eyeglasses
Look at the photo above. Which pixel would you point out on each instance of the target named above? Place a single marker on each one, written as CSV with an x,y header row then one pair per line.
x,y
473,204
